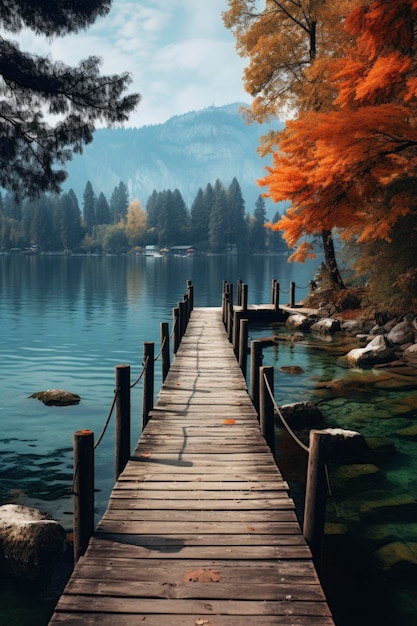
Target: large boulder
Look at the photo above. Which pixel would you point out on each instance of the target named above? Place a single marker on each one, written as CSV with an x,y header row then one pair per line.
x,y
30,542
300,321
410,354
326,325
56,397
376,351
300,415
401,333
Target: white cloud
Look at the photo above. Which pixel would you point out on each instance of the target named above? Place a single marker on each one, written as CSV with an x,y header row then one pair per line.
x,y
180,55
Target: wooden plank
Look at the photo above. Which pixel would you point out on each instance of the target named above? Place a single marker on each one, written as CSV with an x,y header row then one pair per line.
x,y
201,493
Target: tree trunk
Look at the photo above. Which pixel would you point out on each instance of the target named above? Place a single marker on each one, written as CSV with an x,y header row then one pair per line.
x,y
331,263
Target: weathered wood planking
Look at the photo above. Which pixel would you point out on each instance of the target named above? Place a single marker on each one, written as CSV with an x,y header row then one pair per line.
x,y
199,529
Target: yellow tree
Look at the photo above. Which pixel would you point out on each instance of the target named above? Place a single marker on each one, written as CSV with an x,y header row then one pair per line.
x,y
135,222
288,43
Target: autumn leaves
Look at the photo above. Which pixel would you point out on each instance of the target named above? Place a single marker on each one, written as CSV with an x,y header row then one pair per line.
x,y
347,159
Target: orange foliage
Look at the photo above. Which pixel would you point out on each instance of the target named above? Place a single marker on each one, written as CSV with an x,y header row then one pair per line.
x,y
355,166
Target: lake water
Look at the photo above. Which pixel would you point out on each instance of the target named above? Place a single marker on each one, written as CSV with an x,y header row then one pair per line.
x,y
66,323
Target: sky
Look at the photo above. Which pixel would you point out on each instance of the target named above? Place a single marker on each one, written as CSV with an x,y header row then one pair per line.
x,y
179,53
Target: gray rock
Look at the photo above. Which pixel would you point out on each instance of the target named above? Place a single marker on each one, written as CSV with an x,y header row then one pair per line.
x,y
377,351
326,325
401,333
30,542
300,415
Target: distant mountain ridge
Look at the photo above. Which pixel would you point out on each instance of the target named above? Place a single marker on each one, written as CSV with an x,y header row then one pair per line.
x,y
186,152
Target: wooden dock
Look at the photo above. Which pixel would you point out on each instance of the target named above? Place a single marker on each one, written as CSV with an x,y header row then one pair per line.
x,y
199,530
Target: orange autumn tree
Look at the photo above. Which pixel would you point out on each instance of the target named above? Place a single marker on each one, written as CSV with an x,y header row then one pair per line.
x,y
354,167
288,43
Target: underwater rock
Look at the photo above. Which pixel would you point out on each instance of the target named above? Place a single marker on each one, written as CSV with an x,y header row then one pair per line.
x,y
402,507
358,472
56,397
398,555
30,542
407,433
300,415
291,369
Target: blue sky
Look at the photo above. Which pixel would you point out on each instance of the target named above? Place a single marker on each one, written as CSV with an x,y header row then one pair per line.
x,y
180,55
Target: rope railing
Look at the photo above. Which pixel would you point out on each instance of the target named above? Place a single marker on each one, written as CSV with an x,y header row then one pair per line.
x,y
84,446
282,418
160,350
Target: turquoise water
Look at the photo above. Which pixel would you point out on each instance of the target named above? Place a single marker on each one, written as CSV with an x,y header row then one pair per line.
x,y
369,562
66,323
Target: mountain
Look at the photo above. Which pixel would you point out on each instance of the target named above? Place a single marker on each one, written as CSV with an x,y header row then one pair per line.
x,y
186,152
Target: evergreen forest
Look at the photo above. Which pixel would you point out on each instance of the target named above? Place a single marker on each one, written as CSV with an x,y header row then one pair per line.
x,y
216,222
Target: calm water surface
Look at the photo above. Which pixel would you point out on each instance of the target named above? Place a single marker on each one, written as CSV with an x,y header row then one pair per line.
x,y
66,323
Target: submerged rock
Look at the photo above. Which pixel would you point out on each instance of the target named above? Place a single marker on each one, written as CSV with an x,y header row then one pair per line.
x,y
300,414
56,397
30,542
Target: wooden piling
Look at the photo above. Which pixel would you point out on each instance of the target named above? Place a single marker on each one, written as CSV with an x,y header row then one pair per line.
x,y
83,491
255,364
148,381
266,406
176,329
243,345
275,299
244,300
122,453
166,364
316,490
292,295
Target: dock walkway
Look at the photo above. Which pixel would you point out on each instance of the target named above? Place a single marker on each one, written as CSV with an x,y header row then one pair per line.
x,y
199,530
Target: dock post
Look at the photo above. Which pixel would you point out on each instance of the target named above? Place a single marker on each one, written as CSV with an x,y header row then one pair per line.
x,y
122,453
176,329
273,291
148,381
83,490
229,322
243,345
225,289
166,364
266,406
292,295
190,293
239,292
255,364
236,331
275,300
316,490
244,300
182,322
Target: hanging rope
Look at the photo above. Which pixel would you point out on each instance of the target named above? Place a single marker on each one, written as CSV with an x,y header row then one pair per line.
x,y
160,351
173,328
282,418
116,393
306,287
144,366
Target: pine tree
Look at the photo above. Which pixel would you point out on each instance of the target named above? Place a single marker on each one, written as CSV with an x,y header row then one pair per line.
x,y
258,232
103,213
219,221
238,232
89,208
33,148
200,219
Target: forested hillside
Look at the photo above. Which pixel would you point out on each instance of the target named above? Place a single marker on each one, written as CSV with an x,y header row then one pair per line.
x,y
184,153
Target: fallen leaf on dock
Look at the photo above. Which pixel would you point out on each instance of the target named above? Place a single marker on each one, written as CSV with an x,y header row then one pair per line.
x,y
145,455
229,421
202,575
